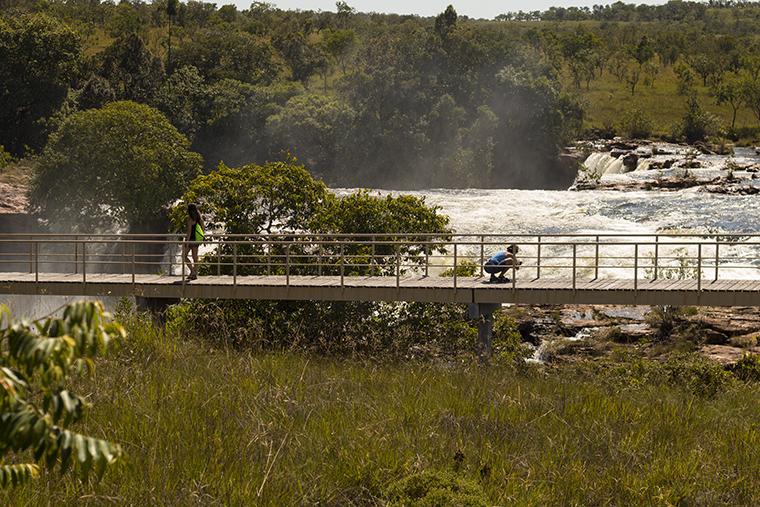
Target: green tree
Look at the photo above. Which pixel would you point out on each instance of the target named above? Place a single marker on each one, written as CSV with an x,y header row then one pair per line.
x,y
171,13
259,199
124,163
751,95
685,77
704,66
37,410
224,53
338,44
636,124
233,127
445,21
697,124
730,91
643,51
315,128
40,59
132,70
184,99
304,58
124,21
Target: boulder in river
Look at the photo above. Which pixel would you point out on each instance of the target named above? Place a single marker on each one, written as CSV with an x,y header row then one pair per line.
x,y
630,162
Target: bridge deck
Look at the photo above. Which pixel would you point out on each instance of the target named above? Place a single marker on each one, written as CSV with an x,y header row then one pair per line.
x,y
418,288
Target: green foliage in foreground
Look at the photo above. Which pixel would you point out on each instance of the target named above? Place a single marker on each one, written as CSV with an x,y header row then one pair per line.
x,y
214,426
36,408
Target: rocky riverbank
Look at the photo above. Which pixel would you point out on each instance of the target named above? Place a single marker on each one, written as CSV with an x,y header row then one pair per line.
x,y
643,165
572,333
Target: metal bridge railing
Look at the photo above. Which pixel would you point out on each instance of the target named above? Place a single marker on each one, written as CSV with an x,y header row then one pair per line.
x,y
571,257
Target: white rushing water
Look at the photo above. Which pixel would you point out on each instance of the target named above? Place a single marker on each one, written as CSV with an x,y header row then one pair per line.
x,y
503,211
663,160
537,212
592,211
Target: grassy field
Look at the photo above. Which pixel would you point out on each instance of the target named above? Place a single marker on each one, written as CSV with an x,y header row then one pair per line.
x,y
206,426
607,99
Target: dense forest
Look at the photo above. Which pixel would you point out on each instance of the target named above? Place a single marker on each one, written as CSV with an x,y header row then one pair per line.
x,y
365,99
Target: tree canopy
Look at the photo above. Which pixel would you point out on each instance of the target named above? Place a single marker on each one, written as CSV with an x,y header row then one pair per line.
x,y
40,58
379,100
122,164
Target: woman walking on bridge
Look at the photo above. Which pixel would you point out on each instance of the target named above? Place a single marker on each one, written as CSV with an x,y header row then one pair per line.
x,y
196,234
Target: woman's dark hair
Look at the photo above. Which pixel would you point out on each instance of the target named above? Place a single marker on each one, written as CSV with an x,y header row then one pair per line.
x,y
192,211
513,249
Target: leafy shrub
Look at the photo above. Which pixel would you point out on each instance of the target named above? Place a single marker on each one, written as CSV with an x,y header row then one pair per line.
x,y
328,327
697,124
744,342
464,268
636,124
665,320
36,408
507,340
5,157
699,375
748,368
616,335
436,489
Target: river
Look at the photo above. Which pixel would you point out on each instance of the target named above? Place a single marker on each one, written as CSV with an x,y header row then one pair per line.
x,y
504,211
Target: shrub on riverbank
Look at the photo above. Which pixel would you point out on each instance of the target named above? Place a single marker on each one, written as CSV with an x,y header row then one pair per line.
x,y
206,424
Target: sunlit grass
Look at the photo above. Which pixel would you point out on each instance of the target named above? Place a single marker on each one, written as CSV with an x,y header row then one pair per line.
x,y
607,99
204,426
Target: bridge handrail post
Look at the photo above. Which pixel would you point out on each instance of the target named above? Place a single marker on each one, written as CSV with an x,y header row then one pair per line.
x,y
455,264
398,265
133,263
234,263
287,265
514,276
538,257
596,259
636,267
428,247
269,257
319,259
372,258
717,256
84,261
218,257
575,259
36,261
482,255
699,266
31,255
185,252
342,263
656,257
76,254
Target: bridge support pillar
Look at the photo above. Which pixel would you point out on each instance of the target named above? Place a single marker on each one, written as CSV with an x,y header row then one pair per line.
x,y
485,329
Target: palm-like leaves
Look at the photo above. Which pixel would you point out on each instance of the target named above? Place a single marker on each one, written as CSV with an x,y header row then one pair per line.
x,y
36,359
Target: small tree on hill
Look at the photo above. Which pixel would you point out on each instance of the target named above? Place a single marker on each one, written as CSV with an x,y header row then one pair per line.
x,y
730,91
697,124
36,409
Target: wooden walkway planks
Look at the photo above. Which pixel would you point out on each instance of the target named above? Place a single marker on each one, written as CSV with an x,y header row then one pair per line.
x,y
411,288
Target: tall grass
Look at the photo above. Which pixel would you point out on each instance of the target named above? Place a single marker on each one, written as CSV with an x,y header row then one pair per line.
x,y
208,426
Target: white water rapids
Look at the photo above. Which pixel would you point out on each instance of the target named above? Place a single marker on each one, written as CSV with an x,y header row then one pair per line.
x,y
480,211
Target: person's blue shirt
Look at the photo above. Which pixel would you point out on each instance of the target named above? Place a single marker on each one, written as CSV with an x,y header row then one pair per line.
x,y
498,258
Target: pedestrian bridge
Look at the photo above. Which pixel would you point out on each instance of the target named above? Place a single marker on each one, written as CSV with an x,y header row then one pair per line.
x,y
674,269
